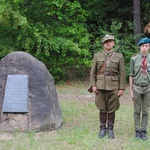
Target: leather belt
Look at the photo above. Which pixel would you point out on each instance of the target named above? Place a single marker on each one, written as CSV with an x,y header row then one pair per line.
x,y
142,85
108,73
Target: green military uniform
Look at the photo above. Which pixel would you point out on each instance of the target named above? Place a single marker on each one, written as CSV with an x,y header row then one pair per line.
x,y
110,79
141,91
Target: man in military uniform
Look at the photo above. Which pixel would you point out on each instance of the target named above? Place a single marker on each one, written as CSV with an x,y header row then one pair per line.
x,y
140,88
108,83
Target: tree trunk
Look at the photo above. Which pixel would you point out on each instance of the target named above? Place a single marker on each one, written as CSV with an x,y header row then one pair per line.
x,y
137,20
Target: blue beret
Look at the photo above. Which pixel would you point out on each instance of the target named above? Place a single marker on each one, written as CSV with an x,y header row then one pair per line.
x,y
144,41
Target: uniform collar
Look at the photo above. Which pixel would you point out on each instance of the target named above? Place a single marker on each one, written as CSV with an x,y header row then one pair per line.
x,y
108,53
144,54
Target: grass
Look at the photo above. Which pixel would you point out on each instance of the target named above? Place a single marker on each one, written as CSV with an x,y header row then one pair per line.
x,y
80,126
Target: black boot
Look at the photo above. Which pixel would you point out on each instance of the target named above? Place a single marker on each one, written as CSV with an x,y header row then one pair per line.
x,y
137,134
144,135
103,117
111,120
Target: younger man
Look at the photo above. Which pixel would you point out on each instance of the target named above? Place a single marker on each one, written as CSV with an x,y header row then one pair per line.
x,y
140,88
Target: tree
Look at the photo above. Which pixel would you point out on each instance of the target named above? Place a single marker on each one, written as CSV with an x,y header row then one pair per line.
x,y
137,20
66,34
52,31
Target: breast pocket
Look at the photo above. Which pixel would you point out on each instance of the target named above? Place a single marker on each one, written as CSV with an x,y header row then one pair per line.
x,y
100,62
148,67
114,63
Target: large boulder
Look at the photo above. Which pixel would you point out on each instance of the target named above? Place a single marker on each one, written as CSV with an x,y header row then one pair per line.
x,y
44,111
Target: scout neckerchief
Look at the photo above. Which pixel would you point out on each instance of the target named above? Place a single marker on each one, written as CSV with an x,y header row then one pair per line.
x,y
144,66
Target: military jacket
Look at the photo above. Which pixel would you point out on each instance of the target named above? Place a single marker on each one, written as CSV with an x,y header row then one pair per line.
x,y
135,69
115,79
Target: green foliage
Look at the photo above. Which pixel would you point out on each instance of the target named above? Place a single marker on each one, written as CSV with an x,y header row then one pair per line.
x,y
66,34
58,37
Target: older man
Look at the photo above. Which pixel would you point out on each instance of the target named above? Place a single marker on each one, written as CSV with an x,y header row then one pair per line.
x,y
107,79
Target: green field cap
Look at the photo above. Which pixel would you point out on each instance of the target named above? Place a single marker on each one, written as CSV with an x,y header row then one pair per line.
x,y
107,37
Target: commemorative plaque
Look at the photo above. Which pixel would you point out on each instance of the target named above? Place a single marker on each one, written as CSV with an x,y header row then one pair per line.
x,y
16,94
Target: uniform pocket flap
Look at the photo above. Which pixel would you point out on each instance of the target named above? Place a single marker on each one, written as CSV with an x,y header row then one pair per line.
x,y
114,78
100,77
114,61
100,60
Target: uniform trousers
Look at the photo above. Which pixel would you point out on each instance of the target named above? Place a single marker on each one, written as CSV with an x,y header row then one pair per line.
x,y
107,101
141,107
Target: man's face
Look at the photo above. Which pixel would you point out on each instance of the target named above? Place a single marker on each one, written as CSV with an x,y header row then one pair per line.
x,y
108,45
144,48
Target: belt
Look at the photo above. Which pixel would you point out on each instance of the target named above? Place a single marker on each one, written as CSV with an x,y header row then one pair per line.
x,y
142,85
108,73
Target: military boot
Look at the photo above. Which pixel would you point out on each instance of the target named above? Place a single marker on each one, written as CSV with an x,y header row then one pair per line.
x,y
103,117
144,135
137,134
111,120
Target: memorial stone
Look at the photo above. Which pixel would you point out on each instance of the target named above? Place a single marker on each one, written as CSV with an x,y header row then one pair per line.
x,y
43,109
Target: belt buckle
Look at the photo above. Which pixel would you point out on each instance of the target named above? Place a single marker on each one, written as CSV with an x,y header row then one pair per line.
x,y
106,73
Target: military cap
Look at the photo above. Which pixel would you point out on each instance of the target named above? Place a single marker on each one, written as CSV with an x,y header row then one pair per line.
x,y
107,37
144,40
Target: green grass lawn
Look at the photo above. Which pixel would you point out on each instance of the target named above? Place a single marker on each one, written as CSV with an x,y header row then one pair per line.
x,y
80,126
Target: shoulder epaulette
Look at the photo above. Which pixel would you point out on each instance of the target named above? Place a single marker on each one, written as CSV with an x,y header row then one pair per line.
x,y
134,55
98,52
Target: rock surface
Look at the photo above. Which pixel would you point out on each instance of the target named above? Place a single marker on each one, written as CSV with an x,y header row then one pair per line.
x,y
44,111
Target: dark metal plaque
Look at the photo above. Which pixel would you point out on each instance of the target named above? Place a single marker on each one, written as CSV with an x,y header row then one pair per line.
x,y
16,94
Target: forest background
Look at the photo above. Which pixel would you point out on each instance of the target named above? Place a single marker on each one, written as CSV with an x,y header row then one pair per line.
x,y
65,34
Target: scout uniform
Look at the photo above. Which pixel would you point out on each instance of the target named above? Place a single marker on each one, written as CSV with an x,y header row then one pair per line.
x,y
108,81
141,90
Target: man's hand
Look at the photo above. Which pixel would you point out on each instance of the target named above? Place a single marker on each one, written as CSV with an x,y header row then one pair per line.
x,y
94,88
120,93
131,92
